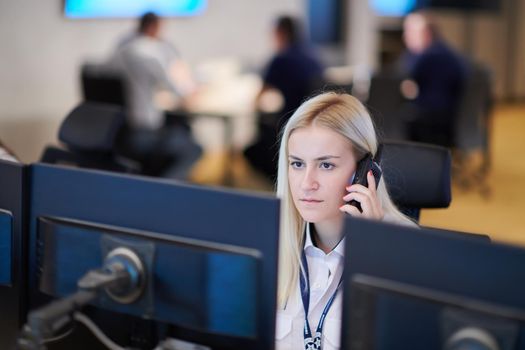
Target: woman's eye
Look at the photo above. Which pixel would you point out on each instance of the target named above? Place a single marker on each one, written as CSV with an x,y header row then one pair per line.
x,y
296,164
326,165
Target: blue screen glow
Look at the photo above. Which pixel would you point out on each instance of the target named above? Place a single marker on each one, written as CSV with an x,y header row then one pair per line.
x,y
393,8
132,8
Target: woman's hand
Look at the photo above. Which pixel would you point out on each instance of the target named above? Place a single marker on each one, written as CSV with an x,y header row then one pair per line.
x,y
367,197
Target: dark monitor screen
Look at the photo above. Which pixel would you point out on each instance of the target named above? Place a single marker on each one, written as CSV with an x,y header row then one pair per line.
x,y
326,22
399,8
6,251
454,321
210,256
462,5
467,267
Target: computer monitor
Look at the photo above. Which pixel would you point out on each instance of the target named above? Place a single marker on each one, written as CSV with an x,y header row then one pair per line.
x,y
456,322
392,8
82,9
12,254
480,237
210,257
421,287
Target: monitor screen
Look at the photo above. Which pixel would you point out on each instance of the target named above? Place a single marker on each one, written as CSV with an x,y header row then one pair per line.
x,y
132,8
6,252
400,8
462,5
326,22
453,321
392,8
209,255
452,269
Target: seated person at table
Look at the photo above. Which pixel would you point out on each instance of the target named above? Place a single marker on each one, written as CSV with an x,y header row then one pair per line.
x,y
150,65
295,72
320,147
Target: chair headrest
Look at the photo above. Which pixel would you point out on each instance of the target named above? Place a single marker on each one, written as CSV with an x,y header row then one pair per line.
x,y
417,174
101,70
92,127
103,83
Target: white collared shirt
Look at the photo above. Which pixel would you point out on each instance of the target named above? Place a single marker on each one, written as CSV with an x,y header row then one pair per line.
x,y
325,272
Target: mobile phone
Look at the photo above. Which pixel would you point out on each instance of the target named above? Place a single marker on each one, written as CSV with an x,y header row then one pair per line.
x,y
360,176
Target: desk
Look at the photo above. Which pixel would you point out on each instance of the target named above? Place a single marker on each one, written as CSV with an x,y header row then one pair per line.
x,y
227,121
230,100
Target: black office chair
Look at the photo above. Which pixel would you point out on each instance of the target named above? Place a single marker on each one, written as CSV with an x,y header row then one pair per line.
x,y
417,175
89,133
104,84
387,105
473,129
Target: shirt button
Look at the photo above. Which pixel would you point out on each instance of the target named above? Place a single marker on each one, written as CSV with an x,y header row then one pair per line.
x,y
317,286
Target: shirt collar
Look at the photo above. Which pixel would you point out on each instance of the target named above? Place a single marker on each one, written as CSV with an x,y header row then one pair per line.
x,y
308,239
309,245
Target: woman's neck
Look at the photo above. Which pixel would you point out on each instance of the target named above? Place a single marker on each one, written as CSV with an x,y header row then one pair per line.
x,y
327,235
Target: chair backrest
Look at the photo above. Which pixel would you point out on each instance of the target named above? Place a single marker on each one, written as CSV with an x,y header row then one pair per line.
x,y
101,83
472,129
90,132
417,175
92,127
386,104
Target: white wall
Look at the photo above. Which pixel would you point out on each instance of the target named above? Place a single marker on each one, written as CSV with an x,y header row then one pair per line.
x,y
362,39
41,53
487,42
519,72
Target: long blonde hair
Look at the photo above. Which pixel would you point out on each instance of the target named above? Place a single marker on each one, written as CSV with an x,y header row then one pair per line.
x,y
345,115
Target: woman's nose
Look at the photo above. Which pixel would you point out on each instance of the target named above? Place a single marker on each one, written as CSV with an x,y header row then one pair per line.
x,y
310,180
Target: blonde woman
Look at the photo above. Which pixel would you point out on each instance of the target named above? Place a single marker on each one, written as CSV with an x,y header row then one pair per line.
x,y
320,147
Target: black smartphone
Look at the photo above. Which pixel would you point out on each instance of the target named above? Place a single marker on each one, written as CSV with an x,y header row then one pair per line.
x,y
363,167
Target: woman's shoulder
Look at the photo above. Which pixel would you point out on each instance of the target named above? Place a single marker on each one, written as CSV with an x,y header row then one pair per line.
x,y
391,218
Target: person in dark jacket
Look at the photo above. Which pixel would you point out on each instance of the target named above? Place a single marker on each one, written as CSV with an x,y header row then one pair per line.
x,y
436,78
295,73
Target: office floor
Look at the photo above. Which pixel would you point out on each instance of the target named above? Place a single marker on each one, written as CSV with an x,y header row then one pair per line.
x,y
493,204
501,212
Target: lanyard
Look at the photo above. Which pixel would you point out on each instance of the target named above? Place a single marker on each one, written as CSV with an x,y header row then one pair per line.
x,y
309,342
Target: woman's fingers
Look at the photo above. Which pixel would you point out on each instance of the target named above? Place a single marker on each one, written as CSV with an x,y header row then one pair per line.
x,y
366,202
367,198
350,209
371,181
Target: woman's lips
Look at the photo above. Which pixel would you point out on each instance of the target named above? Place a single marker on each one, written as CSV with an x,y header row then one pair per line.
x,y
310,200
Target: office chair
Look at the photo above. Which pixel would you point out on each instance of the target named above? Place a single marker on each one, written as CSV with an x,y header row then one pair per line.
x,y
473,130
387,105
417,175
101,83
89,133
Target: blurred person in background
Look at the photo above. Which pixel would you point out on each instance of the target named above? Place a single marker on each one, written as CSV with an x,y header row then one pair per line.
x,y
151,65
436,76
295,73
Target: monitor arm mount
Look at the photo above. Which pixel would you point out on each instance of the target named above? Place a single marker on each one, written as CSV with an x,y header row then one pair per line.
x,y
122,277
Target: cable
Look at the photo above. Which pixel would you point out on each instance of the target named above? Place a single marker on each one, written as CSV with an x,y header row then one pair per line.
x,y
59,337
86,321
